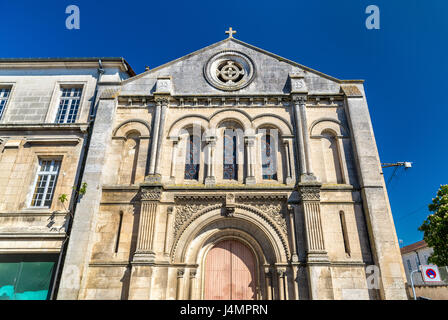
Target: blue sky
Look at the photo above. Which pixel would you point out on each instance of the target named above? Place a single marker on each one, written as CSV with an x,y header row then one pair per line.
x,y
404,63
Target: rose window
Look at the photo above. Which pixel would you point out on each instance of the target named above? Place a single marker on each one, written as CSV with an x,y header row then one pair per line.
x,y
230,72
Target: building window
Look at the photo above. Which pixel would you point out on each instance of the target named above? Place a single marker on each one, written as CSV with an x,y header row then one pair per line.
x,y
46,178
26,276
268,157
4,95
409,265
230,169
69,105
192,158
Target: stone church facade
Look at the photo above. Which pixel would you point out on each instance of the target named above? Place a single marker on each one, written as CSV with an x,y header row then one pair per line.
x,y
232,173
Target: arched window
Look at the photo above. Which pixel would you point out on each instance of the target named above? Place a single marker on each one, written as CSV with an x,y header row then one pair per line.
x,y
127,172
230,168
333,168
268,157
192,159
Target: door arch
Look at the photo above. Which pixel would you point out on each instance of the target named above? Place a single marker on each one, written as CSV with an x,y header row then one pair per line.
x,y
230,272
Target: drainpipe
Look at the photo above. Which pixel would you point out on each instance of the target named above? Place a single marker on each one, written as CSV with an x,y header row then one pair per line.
x,y
78,182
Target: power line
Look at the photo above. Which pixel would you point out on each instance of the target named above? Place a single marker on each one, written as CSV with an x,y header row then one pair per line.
x,y
411,212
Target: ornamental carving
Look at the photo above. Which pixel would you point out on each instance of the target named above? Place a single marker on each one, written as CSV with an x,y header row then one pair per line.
x,y
309,194
151,194
163,101
229,70
299,99
273,211
184,213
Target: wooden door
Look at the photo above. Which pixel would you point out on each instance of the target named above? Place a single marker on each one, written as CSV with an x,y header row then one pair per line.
x,y
230,272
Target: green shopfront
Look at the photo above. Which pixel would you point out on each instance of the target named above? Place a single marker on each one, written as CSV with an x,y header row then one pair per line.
x,y
26,276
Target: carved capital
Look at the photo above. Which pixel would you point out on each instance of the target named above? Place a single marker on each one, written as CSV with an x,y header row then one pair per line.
x,y
299,99
309,193
170,210
250,140
162,100
211,140
267,271
180,273
281,272
193,273
151,194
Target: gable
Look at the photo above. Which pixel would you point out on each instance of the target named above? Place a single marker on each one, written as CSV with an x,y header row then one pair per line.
x,y
270,73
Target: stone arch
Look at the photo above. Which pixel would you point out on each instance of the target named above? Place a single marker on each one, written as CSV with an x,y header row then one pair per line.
x,y
209,221
186,121
137,125
231,114
271,120
329,124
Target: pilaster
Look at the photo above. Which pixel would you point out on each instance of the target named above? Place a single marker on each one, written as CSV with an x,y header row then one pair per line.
x,y
318,264
147,224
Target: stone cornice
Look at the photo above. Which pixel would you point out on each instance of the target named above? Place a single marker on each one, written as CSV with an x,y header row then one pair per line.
x,y
81,127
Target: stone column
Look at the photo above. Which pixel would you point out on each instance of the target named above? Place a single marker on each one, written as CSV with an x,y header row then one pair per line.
x,y
211,144
175,141
303,139
169,218
292,231
294,256
192,284
268,282
250,165
157,137
306,137
180,284
287,142
318,264
146,228
164,106
295,270
281,272
296,100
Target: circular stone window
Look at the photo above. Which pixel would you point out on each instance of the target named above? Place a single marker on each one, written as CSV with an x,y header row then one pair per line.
x,y
229,70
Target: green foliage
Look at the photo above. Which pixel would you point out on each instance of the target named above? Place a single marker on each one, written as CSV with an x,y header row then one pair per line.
x,y
63,198
83,189
435,227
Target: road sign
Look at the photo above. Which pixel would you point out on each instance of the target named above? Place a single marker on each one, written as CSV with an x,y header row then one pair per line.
x,y
430,273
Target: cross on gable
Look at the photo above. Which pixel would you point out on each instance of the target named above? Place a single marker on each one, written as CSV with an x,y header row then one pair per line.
x,y
230,32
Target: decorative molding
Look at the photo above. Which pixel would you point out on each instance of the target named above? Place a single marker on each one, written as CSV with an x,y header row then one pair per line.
x,y
299,99
188,211
162,100
151,194
309,193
